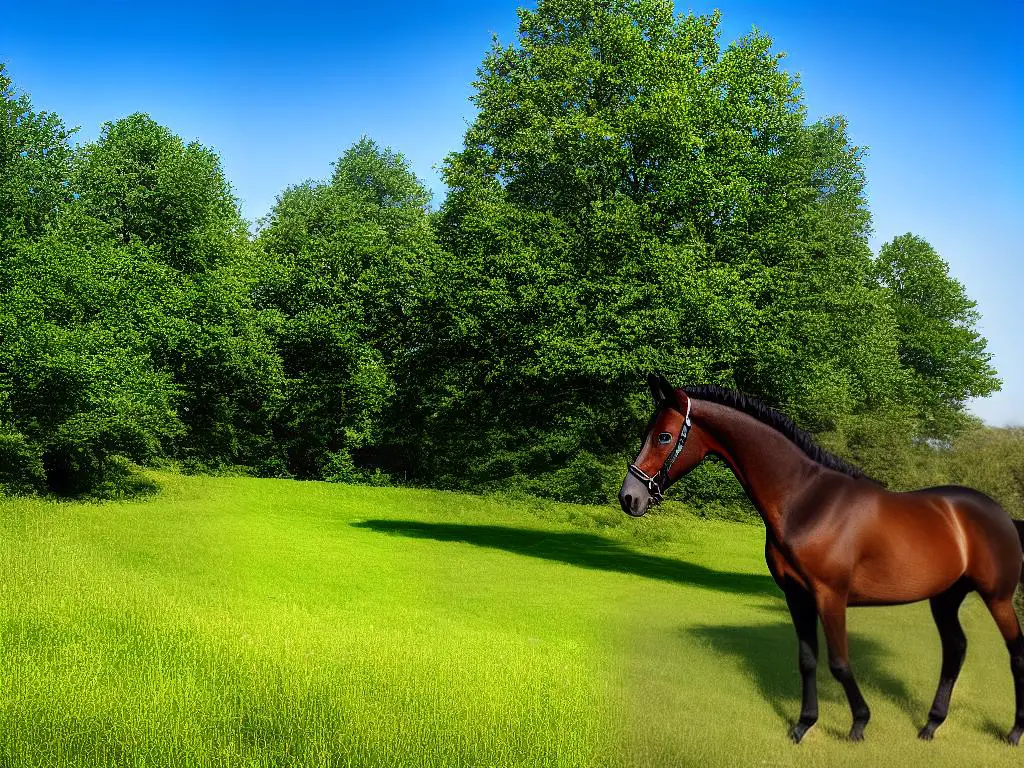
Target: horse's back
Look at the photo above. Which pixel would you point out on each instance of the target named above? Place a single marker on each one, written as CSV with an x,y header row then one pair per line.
x,y
882,547
976,510
958,491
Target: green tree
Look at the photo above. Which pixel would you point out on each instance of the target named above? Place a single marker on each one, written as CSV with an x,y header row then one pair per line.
x,y
149,188
347,259
632,196
147,184
78,389
938,341
34,164
126,324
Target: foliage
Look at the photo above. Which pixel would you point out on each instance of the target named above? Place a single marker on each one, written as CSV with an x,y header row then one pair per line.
x,y
73,391
126,325
146,184
79,384
937,340
633,197
991,460
22,467
34,164
345,263
988,459
148,188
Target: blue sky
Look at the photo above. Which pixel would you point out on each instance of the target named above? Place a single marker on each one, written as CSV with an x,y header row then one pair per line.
x,y
934,90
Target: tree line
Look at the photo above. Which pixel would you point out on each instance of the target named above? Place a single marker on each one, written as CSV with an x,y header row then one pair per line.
x,y
631,196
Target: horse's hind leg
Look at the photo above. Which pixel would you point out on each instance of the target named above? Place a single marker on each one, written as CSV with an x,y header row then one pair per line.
x,y
1006,619
832,609
945,608
1003,611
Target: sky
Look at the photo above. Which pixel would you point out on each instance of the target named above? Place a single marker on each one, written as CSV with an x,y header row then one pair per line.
x,y
933,90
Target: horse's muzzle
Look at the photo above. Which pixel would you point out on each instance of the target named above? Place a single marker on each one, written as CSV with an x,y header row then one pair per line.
x,y
634,497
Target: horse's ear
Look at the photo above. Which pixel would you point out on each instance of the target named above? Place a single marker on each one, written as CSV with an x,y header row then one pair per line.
x,y
657,391
669,393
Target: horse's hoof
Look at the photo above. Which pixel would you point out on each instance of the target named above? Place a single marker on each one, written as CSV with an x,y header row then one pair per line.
x,y
796,733
1013,737
857,732
927,733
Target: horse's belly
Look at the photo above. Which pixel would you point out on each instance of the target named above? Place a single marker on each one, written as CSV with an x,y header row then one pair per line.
x,y
905,576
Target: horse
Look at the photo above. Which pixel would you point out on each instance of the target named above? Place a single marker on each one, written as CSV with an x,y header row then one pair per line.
x,y
837,538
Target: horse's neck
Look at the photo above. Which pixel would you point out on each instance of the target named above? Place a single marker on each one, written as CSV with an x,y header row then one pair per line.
x,y
769,466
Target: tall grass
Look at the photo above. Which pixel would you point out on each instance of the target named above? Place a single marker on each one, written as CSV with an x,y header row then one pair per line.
x,y
231,621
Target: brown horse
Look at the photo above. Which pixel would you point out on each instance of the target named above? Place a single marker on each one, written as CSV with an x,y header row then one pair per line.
x,y
837,538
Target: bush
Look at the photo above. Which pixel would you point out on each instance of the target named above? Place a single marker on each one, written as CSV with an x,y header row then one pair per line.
x,y
21,464
990,460
120,478
78,381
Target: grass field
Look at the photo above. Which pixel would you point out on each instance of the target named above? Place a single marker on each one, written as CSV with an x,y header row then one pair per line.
x,y
231,621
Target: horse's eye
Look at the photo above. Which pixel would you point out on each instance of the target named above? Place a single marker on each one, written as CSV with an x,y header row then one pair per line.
x,y
665,438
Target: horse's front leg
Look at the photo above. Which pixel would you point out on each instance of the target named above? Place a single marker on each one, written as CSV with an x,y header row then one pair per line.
x,y
832,610
805,620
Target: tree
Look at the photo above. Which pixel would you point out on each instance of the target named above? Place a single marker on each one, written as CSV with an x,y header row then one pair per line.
x,y
149,188
34,164
126,323
74,394
148,184
936,329
346,263
631,197
77,386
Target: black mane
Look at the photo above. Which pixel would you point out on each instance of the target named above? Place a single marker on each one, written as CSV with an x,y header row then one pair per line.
x,y
777,421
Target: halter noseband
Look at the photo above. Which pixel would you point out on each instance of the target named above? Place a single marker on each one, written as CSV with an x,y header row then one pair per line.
x,y
657,485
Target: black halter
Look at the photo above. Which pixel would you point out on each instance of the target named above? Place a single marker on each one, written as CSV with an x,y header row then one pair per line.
x,y
658,484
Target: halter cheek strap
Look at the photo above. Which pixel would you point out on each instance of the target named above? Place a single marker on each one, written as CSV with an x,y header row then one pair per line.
x,y
658,484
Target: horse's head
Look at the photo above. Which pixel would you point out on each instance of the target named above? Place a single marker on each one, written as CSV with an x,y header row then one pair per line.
x,y
670,449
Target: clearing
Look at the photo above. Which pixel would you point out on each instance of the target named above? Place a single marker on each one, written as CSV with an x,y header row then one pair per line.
x,y
234,621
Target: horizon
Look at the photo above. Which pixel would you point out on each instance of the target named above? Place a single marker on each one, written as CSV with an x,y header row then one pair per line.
x,y
282,92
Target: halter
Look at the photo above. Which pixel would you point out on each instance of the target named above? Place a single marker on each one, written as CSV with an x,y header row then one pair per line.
x,y
657,485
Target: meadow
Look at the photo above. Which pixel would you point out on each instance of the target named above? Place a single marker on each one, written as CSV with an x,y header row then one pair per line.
x,y
235,621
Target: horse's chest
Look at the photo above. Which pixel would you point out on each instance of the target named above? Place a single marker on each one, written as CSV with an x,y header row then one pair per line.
x,y
782,569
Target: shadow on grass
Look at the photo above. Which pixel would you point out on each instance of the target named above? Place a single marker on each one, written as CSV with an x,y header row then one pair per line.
x,y
768,655
586,550
995,730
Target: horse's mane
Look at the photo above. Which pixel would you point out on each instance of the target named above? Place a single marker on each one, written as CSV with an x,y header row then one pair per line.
x,y
777,421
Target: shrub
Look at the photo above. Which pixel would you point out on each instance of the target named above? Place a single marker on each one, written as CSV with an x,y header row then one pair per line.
x,y
21,464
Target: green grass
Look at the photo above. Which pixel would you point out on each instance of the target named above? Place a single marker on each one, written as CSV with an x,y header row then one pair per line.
x,y
231,621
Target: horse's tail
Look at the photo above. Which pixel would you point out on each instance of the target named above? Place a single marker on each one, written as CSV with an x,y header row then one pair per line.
x,y
1019,525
